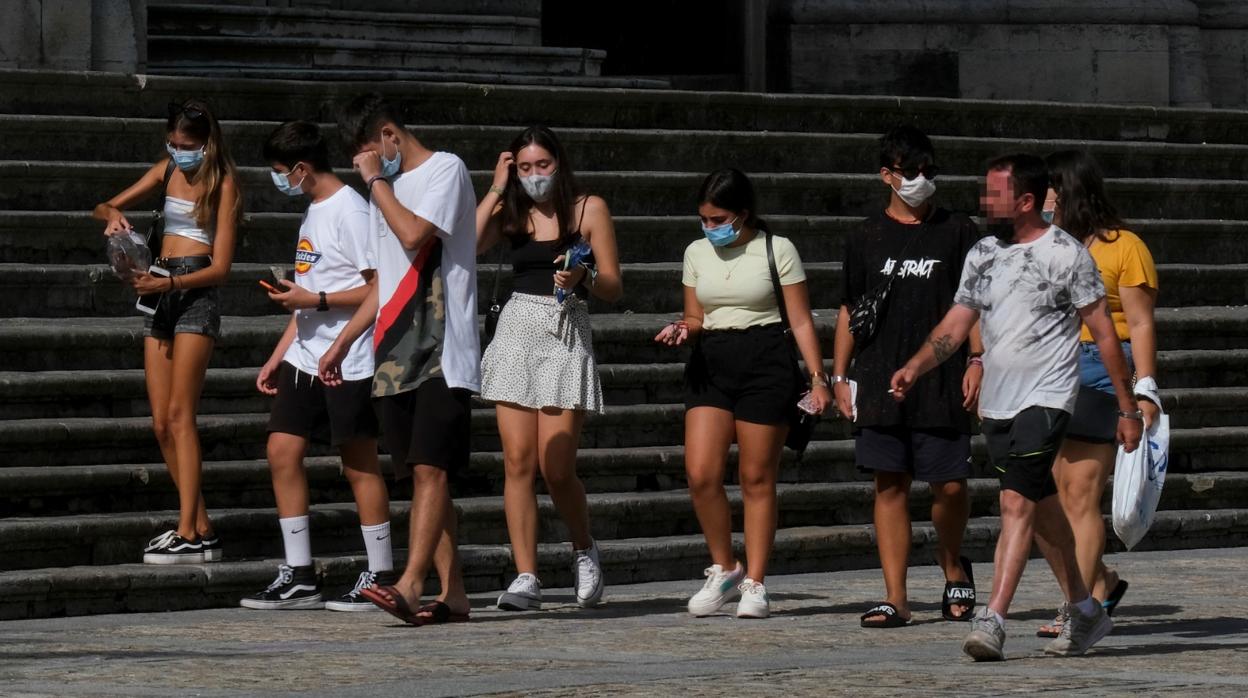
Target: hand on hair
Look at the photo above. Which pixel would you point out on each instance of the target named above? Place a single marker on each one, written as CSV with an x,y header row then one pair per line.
x,y
367,163
502,170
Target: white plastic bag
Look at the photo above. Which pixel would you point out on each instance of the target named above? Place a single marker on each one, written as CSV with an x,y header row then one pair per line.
x,y
1138,479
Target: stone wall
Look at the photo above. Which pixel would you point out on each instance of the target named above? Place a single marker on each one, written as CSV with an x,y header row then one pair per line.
x,y
106,35
1120,51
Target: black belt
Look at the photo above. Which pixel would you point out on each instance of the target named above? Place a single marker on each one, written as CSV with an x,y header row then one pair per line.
x,y
199,261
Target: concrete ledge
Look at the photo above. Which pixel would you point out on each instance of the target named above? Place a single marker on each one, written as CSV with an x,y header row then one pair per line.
x,y
130,588
1122,12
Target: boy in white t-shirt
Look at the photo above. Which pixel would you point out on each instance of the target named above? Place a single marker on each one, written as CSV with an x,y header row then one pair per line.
x,y
335,261
425,344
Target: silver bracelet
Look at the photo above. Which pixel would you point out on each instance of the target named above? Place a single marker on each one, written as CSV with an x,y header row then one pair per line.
x,y
1137,415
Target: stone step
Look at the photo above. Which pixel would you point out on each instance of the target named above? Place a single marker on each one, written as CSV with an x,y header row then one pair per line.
x,y
219,20
112,139
113,94
119,538
381,8
123,393
132,588
116,343
73,237
48,185
186,53
74,290
367,78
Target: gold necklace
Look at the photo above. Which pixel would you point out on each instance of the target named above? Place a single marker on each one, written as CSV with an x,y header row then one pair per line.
x,y
733,267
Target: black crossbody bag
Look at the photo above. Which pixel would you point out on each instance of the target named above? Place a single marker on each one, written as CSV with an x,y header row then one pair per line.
x,y
496,308
865,315
156,229
801,424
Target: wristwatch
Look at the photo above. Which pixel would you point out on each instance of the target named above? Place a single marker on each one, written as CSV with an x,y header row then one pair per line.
x,y
323,305
833,380
1137,415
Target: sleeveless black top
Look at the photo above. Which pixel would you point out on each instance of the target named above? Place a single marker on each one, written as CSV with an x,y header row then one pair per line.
x,y
533,263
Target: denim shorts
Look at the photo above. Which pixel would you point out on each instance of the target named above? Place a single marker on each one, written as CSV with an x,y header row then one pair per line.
x,y
1095,419
191,311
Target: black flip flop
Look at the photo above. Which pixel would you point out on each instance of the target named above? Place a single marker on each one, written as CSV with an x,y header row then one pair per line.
x,y
960,594
1111,602
892,619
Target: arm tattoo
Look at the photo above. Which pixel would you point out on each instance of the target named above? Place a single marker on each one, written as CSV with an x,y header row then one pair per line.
x,y
943,347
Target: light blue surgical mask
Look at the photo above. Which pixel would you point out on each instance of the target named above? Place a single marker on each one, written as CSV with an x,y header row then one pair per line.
x,y
186,160
539,187
281,180
1047,216
722,235
390,168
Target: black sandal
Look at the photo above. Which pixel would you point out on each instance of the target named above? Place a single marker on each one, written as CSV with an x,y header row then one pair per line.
x,y
892,619
960,594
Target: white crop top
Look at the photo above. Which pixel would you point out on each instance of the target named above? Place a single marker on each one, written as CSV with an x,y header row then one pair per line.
x,y
180,220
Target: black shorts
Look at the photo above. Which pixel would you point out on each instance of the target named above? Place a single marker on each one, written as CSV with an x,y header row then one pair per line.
x,y
192,310
751,373
929,455
1096,417
306,407
431,425
1023,449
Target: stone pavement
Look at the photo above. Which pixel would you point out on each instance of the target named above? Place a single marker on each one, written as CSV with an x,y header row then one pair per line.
x,y
1183,628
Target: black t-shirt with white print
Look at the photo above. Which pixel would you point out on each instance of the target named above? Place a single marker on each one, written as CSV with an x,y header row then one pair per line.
x,y
928,272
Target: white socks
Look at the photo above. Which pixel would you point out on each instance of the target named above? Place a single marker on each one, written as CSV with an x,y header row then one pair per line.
x,y
1088,606
377,543
296,540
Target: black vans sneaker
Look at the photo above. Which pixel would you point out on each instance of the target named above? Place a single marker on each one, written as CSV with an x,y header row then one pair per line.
x,y
171,549
353,601
294,588
213,551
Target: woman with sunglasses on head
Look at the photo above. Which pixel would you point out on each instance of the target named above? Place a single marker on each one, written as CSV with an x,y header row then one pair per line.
x,y
741,381
1078,204
539,370
202,210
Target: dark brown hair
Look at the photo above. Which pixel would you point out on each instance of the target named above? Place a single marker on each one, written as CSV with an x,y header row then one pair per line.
x,y
1086,210
193,118
517,204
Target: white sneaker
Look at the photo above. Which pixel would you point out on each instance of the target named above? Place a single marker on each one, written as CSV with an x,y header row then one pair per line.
x,y
588,573
524,594
753,603
719,589
1080,631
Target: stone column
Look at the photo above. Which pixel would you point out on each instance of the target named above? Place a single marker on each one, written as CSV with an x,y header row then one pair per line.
x,y
108,35
1224,40
754,67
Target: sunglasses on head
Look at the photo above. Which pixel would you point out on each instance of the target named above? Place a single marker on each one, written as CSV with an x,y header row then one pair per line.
x,y
191,113
930,171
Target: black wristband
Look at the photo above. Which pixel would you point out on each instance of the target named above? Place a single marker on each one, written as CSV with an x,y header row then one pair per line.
x,y
372,180
323,305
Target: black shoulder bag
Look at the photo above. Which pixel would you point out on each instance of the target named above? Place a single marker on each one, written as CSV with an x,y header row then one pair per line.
x,y
864,316
496,308
156,229
801,424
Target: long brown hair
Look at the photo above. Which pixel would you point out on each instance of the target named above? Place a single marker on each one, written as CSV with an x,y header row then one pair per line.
x,y
1086,210
193,118
517,204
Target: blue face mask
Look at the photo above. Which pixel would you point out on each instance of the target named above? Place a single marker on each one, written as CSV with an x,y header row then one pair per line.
x,y
390,168
186,160
721,235
1047,216
281,180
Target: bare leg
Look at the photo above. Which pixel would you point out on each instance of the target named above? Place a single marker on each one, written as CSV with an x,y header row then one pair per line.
x,y
1057,542
1083,470
517,427
372,499
558,434
432,540
759,463
951,509
1013,547
892,537
290,482
191,353
708,434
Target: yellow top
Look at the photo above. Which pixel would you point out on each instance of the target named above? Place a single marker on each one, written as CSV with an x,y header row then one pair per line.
x,y
733,284
1125,261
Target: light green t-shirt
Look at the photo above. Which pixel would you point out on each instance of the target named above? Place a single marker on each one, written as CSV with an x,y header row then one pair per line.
x,y
733,284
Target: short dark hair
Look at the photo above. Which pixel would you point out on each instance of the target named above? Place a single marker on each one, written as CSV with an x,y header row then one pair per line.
x,y
360,121
731,190
1028,174
298,141
906,145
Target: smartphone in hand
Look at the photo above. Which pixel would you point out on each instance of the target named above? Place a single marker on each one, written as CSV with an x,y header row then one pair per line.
x,y
147,304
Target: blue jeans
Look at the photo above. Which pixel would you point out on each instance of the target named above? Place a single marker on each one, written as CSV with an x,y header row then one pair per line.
x,y
1092,373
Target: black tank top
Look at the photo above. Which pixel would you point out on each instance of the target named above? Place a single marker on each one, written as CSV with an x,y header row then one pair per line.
x,y
533,263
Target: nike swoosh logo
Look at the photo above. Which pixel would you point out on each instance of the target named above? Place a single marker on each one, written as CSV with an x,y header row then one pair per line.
x,y
382,537
299,531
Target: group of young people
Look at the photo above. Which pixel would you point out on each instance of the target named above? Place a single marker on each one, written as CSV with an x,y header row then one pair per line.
x,y
383,345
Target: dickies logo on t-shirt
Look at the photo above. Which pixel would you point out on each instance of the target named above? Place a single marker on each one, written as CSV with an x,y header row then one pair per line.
x,y
305,257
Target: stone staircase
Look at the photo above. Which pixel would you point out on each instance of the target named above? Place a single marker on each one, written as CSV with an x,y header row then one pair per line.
x,y
81,482
493,42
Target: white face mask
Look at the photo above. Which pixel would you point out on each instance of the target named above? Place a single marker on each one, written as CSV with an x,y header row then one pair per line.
x,y
539,187
915,191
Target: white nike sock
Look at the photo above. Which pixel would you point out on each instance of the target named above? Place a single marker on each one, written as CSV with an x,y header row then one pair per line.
x,y
377,543
297,541
1088,606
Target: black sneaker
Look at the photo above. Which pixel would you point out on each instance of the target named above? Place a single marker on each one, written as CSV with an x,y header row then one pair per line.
x,y
213,552
171,549
294,588
353,601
